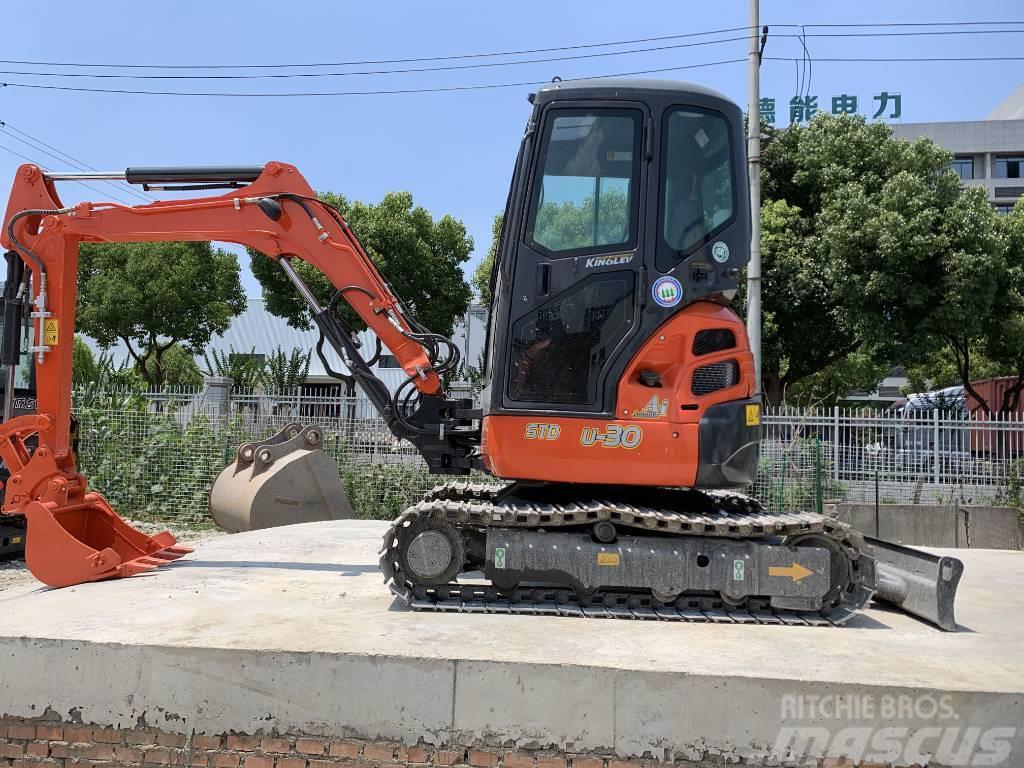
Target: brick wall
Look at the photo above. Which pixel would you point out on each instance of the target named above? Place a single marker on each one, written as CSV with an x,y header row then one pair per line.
x,y
44,743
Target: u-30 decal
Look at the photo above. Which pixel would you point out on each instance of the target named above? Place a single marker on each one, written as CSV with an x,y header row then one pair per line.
x,y
612,436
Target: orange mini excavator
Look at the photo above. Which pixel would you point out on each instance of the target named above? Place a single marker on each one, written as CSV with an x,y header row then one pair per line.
x,y
619,409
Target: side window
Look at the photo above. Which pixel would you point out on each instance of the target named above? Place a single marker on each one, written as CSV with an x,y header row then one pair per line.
x,y
697,193
585,194
559,349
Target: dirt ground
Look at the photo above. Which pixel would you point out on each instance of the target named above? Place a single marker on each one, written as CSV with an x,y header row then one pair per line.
x,y
14,573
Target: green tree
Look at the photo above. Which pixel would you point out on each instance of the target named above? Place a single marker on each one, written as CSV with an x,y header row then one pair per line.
x,y
245,369
872,254
921,264
286,371
482,274
421,258
1005,341
83,364
152,296
561,226
179,368
806,333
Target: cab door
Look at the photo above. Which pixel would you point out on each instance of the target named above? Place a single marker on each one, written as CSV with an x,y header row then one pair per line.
x,y
573,303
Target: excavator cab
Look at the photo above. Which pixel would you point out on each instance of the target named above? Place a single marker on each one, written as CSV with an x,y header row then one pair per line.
x,y
624,234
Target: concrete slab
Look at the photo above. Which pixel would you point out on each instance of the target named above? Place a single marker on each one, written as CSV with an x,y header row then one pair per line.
x,y
293,630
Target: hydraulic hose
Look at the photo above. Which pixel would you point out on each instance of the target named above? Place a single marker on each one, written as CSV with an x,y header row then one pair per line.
x,y
40,301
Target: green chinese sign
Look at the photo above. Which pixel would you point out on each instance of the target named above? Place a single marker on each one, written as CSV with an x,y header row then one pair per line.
x,y
803,108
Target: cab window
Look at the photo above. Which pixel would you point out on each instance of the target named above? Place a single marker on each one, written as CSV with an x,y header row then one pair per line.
x,y
698,190
585,194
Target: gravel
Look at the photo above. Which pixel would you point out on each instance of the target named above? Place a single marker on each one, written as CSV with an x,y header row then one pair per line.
x,y
14,573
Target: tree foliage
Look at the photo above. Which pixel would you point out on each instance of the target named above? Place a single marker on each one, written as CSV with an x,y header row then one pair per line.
x,y
561,226
245,369
152,296
481,279
421,258
285,371
179,368
83,364
871,246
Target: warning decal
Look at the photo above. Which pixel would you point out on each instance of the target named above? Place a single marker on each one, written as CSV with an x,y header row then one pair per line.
x,y
753,415
50,332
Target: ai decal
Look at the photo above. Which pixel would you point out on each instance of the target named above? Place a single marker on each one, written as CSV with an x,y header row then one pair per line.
x,y
654,409
720,252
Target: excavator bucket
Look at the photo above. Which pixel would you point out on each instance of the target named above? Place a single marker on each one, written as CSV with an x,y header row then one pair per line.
x,y
283,480
87,541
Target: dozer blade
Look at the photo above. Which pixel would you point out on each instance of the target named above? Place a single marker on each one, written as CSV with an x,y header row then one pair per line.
x,y
88,541
920,583
283,480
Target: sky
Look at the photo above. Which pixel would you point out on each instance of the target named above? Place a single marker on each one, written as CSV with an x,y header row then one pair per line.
x,y
453,150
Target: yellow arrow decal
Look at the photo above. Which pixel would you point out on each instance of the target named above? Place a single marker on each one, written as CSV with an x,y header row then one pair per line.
x,y
795,571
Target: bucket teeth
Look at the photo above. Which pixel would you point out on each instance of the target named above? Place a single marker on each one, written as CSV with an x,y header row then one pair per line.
x,y
134,568
170,553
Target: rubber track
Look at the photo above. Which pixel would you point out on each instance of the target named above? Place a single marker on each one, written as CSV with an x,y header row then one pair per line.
x,y
732,516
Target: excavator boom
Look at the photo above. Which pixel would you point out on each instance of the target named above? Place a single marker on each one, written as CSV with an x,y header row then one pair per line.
x,y
73,534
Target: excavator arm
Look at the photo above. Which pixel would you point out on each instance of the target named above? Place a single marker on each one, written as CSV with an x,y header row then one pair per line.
x,y
271,209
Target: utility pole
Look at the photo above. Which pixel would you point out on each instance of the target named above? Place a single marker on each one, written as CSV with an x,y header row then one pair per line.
x,y
754,171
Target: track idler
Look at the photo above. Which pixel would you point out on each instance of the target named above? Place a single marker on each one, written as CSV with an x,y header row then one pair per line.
x,y
283,480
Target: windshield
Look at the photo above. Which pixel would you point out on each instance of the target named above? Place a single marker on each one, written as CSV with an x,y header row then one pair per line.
x,y
585,195
697,181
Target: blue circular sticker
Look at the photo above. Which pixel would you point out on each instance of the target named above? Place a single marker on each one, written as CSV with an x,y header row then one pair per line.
x,y
666,291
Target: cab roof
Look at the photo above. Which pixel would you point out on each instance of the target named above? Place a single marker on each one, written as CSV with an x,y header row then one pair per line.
x,y
625,87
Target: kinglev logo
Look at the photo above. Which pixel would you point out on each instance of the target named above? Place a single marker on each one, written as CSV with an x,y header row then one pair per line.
x,y
608,261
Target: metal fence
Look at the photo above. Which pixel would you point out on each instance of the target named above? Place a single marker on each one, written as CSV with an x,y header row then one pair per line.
x,y
155,456
890,457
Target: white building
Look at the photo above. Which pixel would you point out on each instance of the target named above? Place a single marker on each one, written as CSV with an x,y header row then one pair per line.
x,y
987,153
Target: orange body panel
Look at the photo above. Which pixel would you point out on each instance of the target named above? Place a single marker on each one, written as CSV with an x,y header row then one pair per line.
x,y
654,438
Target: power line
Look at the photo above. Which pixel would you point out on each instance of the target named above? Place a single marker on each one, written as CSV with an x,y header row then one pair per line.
x,y
444,68
887,59
494,64
79,165
580,46
914,24
922,33
362,62
488,86
97,190
287,94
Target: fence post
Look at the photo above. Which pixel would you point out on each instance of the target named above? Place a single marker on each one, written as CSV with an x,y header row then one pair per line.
x,y
818,495
935,438
835,443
